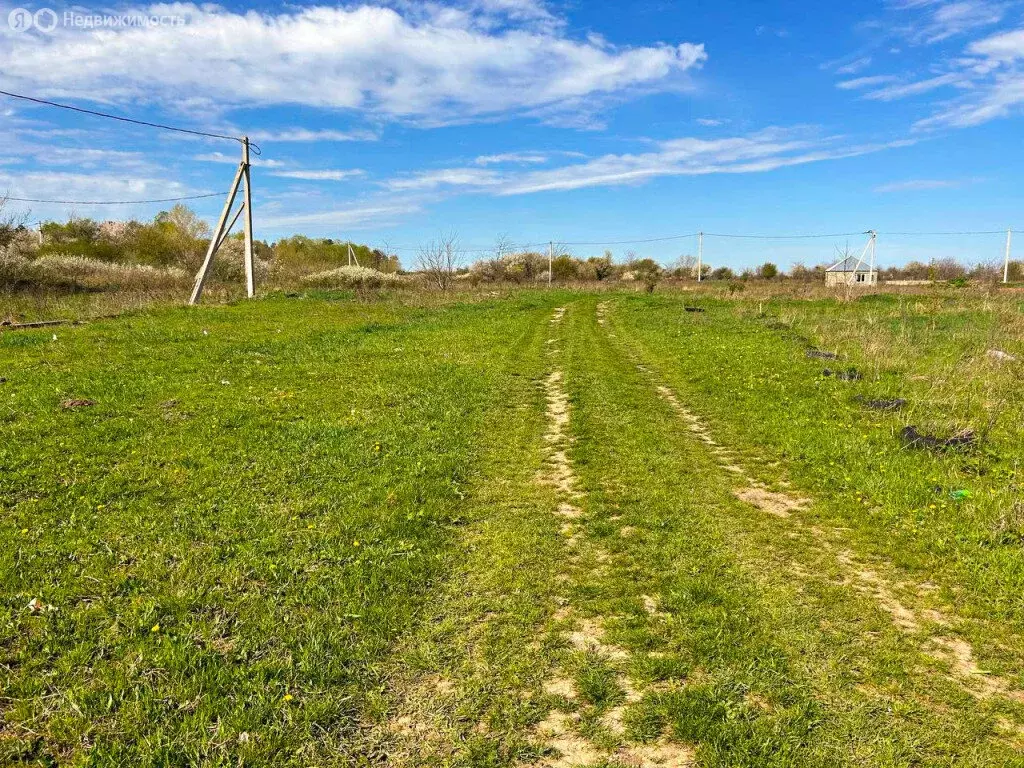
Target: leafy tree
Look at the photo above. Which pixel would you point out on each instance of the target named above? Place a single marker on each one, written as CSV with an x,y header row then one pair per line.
x,y
648,272
565,268
722,273
601,266
767,271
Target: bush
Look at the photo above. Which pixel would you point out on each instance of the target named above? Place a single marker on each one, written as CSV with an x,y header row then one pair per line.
x,y
722,273
362,278
648,272
93,274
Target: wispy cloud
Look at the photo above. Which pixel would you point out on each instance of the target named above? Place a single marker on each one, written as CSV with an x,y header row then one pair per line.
x,y
351,216
922,185
61,185
220,157
855,66
306,135
319,175
902,91
858,83
992,75
511,157
447,177
755,153
940,20
710,122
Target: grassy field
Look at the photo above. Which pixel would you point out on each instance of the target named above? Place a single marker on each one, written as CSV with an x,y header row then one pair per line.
x,y
547,528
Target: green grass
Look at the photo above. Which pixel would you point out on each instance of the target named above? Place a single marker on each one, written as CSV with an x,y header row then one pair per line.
x,y
232,536
309,531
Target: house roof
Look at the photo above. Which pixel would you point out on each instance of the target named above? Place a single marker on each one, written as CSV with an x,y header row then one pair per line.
x,y
849,264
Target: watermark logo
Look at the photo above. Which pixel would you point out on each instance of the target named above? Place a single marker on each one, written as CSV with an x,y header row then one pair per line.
x,y
20,20
47,20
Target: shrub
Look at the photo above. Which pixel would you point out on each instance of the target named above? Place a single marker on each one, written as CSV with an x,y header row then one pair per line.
x,y
93,274
353,277
722,273
648,272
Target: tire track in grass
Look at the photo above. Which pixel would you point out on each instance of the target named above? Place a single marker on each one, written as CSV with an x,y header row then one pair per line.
x,y
462,689
953,651
560,731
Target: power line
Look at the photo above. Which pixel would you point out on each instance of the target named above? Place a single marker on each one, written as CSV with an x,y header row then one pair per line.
x,y
782,237
627,242
110,202
94,113
946,234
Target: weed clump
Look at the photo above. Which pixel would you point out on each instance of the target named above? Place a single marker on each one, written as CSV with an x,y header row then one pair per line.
x,y
912,438
820,354
850,374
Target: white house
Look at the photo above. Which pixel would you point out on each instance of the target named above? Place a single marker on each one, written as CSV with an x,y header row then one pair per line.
x,y
851,271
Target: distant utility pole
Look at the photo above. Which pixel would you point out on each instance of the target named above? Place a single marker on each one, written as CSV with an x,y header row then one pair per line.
x,y
352,256
551,249
1006,258
700,255
871,244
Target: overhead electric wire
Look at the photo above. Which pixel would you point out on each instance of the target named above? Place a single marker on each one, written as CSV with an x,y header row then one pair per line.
x,y
162,126
626,242
783,237
948,234
107,115
111,202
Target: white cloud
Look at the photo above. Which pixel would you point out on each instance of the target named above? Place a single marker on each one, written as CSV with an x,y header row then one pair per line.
x,y
762,151
511,157
710,122
448,177
59,185
865,82
1006,47
432,63
352,216
221,157
894,92
306,135
855,66
919,185
992,75
942,19
324,175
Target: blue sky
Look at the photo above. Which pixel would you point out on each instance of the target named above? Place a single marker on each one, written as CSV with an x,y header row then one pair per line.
x,y
567,121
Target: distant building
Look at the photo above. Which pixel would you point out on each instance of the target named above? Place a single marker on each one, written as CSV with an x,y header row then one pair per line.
x,y
851,271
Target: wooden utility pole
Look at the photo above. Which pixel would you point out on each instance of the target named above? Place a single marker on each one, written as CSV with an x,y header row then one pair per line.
x,y
551,248
872,275
223,228
700,255
1006,257
250,264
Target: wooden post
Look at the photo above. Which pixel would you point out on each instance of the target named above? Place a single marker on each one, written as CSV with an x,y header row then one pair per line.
x,y
216,239
250,263
229,227
551,247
